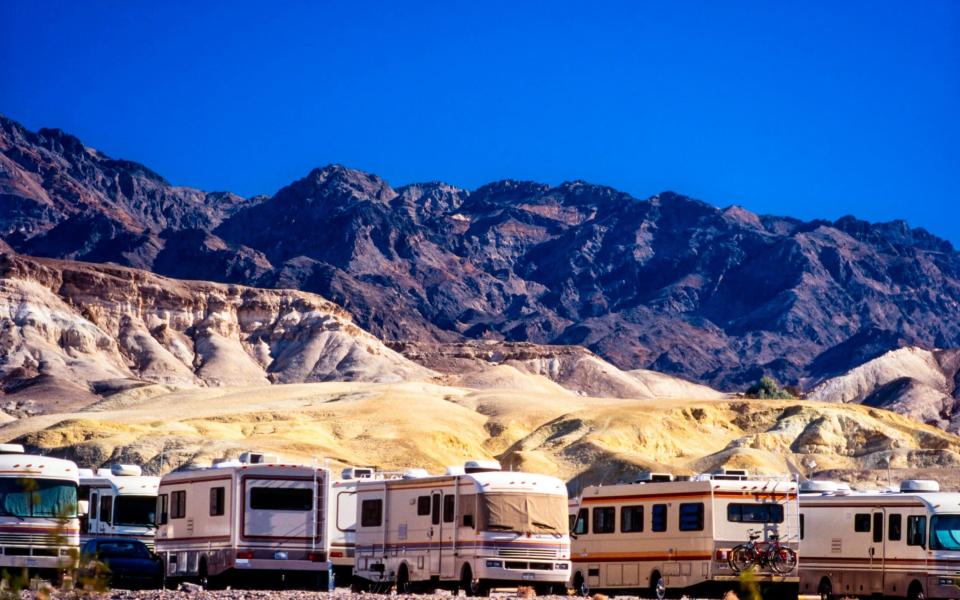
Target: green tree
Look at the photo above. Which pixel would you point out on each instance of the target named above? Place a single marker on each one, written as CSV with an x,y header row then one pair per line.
x,y
767,388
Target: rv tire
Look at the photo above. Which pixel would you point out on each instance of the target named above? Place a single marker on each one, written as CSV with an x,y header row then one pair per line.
x,y
580,585
825,589
658,586
403,580
471,586
916,591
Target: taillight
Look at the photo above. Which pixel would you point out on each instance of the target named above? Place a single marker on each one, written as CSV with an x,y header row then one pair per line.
x,y
336,554
248,554
317,557
721,555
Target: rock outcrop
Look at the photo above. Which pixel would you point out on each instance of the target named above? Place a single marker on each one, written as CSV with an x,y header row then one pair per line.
x,y
717,296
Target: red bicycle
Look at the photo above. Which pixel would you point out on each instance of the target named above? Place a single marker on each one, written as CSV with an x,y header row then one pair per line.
x,y
770,554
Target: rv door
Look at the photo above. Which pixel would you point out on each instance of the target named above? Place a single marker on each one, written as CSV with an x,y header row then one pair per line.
x,y
876,550
436,532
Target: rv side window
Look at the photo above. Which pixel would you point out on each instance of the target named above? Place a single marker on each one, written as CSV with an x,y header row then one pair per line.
x,y
861,522
917,531
448,506
217,495
106,507
468,508
877,527
92,510
270,498
755,513
162,509
423,506
178,504
894,528
658,517
435,510
371,513
691,516
631,519
801,525
583,522
603,519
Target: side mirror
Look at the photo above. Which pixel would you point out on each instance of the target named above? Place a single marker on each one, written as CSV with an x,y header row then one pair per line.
x,y
83,508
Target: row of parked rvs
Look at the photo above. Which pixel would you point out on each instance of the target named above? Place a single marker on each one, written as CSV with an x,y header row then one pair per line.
x,y
477,527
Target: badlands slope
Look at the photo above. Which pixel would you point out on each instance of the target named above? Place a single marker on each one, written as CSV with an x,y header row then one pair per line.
x,y
581,439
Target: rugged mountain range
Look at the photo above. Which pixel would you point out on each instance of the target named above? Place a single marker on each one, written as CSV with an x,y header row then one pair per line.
x,y
667,283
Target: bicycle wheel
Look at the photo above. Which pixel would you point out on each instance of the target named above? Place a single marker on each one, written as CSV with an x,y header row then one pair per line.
x,y
741,558
783,560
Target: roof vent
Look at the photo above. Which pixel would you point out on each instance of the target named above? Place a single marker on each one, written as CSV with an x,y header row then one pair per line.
x,y
12,449
257,458
919,485
125,471
651,477
356,473
818,486
481,466
415,473
454,470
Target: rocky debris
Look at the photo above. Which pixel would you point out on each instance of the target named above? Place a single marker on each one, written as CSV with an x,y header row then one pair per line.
x,y
918,383
671,284
244,594
73,332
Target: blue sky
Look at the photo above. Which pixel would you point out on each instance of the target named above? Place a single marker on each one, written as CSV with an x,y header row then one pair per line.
x,y
811,109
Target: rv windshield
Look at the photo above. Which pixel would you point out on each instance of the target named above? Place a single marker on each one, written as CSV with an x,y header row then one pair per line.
x,y
945,532
523,513
31,497
134,510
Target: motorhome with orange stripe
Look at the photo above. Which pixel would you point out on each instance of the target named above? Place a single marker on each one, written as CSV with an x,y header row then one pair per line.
x,y
474,528
900,543
39,528
252,519
663,534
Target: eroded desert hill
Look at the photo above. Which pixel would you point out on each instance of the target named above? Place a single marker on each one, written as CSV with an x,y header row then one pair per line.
x,y
400,425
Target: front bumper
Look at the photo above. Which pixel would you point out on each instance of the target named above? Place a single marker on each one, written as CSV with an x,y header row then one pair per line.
x,y
270,564
942,586
522,572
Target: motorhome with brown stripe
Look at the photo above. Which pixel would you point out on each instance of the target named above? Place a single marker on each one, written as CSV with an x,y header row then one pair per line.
x,y
474,528
661,534
900,543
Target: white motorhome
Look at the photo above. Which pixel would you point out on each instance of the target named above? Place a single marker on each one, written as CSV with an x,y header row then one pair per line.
x,y
121,502
39,529
252,520
902,543
474,528
660,534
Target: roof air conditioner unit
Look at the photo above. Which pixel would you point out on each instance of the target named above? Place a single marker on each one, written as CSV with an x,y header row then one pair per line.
x,y
12,449
125,471
481,466
651,477
257,458
919,485
415,473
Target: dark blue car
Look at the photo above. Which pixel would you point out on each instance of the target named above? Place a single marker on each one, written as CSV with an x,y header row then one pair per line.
x,y
118,563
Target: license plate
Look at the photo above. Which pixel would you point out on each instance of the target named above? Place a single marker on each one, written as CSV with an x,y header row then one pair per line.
x,y
528,576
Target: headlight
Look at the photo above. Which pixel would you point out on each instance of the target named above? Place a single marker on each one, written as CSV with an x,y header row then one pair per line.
x,y
561,566
495,564
946,581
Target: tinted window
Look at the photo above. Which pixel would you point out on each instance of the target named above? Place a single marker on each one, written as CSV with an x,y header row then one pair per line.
x,y
917,531
134,510
631,519
217,497
603,519
36,497
178,504
122,549
293,499
423,506
106,508
658,517
162,509
691,516
435,510
861,522
371,513
894,528
878,527
755,513
94,497
583,522
448,504
801,526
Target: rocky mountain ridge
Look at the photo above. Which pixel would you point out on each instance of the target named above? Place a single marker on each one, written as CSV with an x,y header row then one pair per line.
x,y
718,296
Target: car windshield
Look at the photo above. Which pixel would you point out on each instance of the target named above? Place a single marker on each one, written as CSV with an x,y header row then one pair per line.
x,y
35,497
523,513
122,549
135,510
945,532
